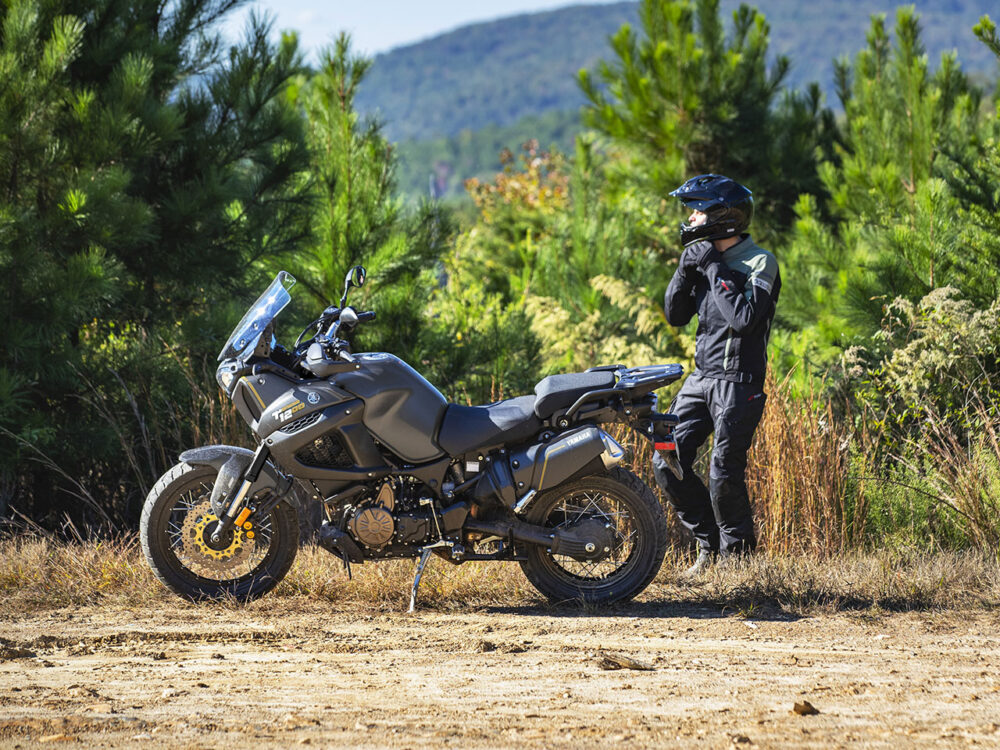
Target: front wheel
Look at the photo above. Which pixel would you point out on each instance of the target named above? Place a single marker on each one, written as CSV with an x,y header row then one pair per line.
x,y
175,531
618,499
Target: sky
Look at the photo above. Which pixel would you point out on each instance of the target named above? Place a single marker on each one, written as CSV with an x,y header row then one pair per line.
x,y
379,25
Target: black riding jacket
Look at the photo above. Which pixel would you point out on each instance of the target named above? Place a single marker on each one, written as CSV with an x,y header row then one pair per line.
x,y
734,294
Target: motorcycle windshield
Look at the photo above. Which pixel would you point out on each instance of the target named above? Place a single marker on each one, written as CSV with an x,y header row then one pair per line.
x,y
249,330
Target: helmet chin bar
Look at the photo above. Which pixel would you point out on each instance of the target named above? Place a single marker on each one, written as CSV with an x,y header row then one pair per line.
x,y
719,225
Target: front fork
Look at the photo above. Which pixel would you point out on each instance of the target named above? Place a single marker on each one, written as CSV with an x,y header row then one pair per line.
x,y
236,514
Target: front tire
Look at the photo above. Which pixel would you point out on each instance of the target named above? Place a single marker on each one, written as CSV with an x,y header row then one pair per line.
x,y
640,530
247,564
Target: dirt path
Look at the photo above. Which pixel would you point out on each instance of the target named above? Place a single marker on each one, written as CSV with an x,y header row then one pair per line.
x,y
188,676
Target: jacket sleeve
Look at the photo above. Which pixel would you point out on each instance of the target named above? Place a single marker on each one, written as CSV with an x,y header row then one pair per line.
x,y
679,302
743,307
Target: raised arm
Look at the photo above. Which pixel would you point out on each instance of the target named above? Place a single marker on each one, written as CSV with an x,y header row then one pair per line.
x,y
679,302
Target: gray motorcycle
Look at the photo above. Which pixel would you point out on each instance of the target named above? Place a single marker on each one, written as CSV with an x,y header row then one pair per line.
x,y
400,472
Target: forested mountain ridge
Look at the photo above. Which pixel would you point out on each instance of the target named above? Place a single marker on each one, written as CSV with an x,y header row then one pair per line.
x,y
499,72
491,73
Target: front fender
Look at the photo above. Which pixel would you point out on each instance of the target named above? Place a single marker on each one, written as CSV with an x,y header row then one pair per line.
x,y
231,462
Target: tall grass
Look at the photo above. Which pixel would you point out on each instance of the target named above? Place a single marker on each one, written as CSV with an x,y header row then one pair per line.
x,y
962,470
799,476
824,480
39,573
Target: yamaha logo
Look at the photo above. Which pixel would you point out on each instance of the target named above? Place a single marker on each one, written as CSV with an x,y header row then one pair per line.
x,y
313,397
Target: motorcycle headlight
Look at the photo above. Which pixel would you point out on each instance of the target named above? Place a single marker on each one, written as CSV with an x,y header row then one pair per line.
x,y
226,377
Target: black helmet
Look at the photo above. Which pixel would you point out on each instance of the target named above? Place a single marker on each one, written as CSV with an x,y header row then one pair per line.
x,y
728,204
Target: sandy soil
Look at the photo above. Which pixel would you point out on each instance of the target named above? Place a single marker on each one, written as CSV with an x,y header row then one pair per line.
x,y
210,676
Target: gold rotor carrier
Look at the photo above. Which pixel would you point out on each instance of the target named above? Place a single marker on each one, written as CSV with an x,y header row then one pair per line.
x,y
193,533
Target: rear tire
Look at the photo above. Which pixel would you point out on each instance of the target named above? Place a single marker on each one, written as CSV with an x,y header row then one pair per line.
x,y
171,530
640,526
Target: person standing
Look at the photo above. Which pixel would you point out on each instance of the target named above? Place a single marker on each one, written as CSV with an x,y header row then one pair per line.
x,y
732,285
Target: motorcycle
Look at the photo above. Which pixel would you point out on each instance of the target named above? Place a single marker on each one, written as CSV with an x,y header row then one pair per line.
x,y
402,473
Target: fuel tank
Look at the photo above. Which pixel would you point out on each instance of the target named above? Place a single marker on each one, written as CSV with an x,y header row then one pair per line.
x,y
402,410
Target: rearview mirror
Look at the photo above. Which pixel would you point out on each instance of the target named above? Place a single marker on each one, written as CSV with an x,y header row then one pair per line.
x,y
355,277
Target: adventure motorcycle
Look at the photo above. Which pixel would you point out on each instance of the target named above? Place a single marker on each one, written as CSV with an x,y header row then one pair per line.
x,y
403,473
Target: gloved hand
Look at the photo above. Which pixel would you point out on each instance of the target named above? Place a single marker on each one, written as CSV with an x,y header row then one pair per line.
x,y
699,255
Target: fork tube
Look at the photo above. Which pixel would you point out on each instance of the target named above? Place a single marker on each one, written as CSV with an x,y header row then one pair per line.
x,y
251,475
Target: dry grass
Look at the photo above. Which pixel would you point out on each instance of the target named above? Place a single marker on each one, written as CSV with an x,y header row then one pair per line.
x,y
799,477
963,471
39,574
889,580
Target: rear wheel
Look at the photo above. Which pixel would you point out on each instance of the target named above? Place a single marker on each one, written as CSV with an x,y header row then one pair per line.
x,y
175,531
619,500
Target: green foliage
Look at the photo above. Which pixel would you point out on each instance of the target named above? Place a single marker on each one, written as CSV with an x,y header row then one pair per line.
x,y
356,216
150,178
554,241
890,226
475,347
143,169
927,391
931,357
687,99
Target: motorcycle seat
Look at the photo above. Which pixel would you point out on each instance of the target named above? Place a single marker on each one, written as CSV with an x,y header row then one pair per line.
x,y
466,428
560,391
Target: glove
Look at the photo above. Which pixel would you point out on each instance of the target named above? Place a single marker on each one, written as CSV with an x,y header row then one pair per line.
x,y
701,255
688,262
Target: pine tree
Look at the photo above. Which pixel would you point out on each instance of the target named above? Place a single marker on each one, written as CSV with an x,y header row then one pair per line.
x,y
683,98
892,201
144,169
973,175
357,217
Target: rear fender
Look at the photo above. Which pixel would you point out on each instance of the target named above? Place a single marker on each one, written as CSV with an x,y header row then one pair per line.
x,y
231,462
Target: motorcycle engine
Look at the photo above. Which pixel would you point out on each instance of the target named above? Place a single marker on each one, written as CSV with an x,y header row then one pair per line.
x,y
387,517
372,524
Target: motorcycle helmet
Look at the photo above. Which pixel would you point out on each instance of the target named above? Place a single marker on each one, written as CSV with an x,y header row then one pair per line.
x,y
728,204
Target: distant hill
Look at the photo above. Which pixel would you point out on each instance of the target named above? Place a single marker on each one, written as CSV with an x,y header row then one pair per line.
x,y
489,73
499,72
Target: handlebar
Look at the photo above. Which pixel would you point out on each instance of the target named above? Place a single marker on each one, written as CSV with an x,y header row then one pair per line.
x,y
327,349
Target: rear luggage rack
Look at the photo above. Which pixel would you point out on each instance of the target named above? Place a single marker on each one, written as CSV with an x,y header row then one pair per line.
x,y
649,378
631,380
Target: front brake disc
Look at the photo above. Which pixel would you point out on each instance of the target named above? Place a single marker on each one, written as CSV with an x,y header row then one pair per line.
x,y
196,549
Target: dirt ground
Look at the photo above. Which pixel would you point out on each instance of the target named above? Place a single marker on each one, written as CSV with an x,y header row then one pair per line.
x,y
221,676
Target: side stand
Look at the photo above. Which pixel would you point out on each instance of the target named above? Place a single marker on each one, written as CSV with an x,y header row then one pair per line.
x,y
425,555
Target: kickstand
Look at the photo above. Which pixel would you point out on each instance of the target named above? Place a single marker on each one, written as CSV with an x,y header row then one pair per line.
x,y
424,557
347,567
